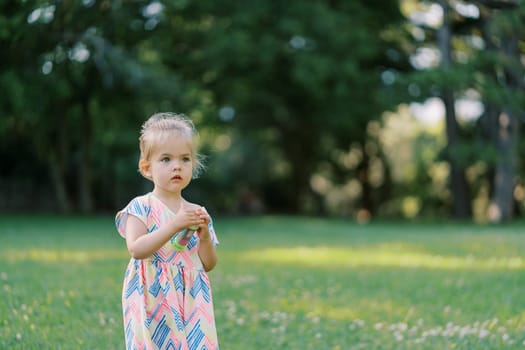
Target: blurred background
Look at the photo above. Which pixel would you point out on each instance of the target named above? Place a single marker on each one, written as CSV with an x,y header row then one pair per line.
x,y
360,109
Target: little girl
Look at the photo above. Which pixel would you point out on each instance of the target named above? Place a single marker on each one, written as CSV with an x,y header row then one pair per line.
x,y
166,297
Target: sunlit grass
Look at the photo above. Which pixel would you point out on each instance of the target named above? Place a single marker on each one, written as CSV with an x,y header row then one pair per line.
x,y
61,255
281,283
348,257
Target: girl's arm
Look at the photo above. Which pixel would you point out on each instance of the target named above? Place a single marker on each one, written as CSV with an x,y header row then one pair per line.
x,y
142,245
207,252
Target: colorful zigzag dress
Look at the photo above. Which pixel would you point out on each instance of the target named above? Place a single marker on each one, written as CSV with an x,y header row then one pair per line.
x,y
166,298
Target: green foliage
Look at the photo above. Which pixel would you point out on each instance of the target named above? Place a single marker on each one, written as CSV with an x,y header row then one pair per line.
x,y
280,283
75,86
484,50
282,93
98,68
306,74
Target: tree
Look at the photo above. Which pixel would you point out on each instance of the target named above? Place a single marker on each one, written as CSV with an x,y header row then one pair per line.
x,y
502,28
475,54
302,79
74,74
458,183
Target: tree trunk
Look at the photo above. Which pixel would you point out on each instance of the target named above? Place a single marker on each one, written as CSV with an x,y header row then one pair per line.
x,y
297,145
52,146
458,183
489,125
301,172
502,202
57,178
84,167
364,178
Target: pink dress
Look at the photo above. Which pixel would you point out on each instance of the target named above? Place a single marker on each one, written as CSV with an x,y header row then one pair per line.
x,y
166,298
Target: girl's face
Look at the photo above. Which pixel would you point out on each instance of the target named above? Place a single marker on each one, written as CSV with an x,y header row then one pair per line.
x,y
171,164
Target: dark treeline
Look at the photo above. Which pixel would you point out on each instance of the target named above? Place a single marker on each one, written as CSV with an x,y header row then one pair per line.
x,y
289,99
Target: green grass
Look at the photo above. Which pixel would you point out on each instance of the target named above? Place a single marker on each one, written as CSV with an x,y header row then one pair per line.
x,y
281,283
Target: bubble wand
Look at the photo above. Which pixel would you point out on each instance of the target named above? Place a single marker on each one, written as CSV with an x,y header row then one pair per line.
x,y
181,239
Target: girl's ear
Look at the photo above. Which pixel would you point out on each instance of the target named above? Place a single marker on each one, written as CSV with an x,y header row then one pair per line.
x,y
145,168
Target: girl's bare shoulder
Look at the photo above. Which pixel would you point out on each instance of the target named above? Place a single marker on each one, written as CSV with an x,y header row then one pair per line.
x,y
191,206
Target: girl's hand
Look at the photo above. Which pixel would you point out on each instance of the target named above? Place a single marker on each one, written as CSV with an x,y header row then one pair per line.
x,y
204,232
187,217
207,252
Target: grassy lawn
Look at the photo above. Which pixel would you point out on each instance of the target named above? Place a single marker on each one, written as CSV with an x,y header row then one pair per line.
x,y
281,283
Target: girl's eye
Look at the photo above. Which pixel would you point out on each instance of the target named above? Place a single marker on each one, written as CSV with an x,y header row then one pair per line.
x,y
165,160
186,159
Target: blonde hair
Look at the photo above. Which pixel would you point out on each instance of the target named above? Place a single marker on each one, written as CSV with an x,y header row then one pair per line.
x,y
161,125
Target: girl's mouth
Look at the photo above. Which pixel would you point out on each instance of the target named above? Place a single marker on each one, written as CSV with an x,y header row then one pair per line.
x,y
176,178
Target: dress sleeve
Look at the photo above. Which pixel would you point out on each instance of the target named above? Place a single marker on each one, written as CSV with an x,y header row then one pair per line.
x,y
137,207
213,235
